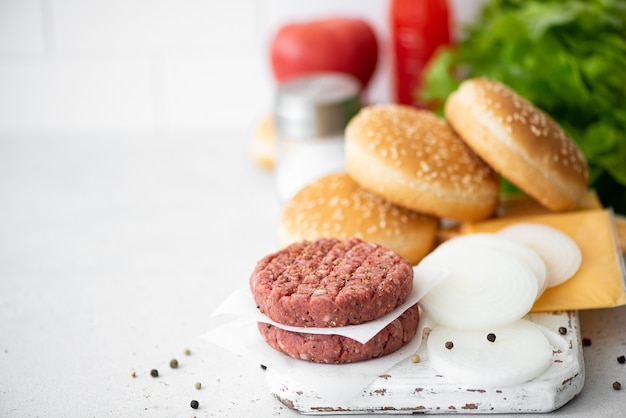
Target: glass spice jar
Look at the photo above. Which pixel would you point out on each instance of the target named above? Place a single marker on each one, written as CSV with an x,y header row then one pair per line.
x,y
311,113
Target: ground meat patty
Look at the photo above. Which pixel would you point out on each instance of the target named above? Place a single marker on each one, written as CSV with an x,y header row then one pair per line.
x,y
330,283
335,349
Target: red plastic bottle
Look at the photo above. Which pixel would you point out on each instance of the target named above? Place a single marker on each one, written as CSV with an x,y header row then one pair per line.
x,y
417,28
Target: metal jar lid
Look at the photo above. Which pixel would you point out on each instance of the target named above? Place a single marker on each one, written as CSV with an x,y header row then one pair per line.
x,y
316,105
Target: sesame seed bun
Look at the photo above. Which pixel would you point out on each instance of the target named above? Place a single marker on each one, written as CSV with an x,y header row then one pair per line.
x,y
519,141
416,160
335,206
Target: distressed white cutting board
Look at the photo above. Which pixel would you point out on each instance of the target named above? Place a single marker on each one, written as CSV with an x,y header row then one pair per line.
x,y
410,387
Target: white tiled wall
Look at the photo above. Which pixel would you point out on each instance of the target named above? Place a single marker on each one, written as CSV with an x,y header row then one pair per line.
x,y
151,65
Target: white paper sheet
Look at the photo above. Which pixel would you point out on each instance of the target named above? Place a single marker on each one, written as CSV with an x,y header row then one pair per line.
x,y
233,326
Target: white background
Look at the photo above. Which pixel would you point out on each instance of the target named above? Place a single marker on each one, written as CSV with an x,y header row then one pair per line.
x,y
145,66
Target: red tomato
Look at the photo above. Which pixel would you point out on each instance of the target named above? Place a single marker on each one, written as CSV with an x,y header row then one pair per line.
x,y
418,28
345,45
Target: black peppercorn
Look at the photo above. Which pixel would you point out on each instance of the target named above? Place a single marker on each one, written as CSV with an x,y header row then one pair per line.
x,y
491,337
154,373
173,363
621,359
562,330
617,385
586,342
194,404
449,345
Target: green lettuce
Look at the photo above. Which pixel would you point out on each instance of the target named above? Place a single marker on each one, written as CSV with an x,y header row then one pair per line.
x,y
568,58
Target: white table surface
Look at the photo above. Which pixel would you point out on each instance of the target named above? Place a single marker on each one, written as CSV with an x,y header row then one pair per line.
x,y
115,249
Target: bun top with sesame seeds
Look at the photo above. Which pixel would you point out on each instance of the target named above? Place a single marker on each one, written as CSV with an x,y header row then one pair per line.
x,y
519,141
335,206
415,159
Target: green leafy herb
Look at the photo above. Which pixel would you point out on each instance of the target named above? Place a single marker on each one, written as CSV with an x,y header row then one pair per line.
x,y
568,58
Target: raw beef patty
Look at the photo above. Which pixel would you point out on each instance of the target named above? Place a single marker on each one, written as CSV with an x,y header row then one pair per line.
x,y
330,283
335,349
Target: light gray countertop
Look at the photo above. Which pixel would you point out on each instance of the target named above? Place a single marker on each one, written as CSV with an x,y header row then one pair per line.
x,y
114,251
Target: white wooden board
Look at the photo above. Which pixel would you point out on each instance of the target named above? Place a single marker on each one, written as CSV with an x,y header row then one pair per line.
x,y
411,387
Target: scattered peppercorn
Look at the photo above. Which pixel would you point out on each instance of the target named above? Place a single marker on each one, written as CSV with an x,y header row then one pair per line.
x,y
134,375
194,404
491,337
154,373
586,342
562,330
173,363
621,359
187,351
617,385
449,345
198,385
263,366
415,358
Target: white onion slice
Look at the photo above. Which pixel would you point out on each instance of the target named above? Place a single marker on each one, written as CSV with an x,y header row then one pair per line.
x,y
559,252
486,287
520,250
520,353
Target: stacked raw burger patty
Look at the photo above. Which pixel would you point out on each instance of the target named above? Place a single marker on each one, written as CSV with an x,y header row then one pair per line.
x,y
333,283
